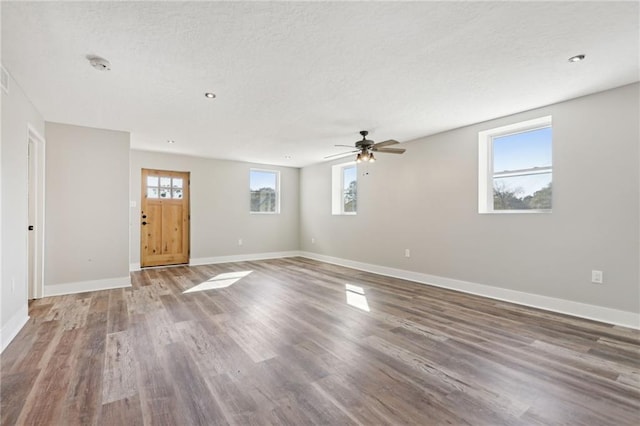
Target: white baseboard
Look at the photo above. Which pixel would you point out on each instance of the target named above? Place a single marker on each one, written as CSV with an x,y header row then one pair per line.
x,y
577,309
84,286
11,329
133,267
242,257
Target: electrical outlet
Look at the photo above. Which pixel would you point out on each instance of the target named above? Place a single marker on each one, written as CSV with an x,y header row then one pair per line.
x,y
597,277
239,241
407,253
313,240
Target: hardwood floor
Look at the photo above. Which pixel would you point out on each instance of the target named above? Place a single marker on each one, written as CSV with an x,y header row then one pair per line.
x,y
283,346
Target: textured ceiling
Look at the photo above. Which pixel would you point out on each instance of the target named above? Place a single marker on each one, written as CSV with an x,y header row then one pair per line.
x,y
295,78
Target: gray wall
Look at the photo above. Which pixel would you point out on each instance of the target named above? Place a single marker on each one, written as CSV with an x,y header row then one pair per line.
x,y
220,206
427,200
87,204
17,114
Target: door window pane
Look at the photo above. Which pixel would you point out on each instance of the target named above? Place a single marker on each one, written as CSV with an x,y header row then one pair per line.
x,y
152,180
177,193
165,182
152,192
177,183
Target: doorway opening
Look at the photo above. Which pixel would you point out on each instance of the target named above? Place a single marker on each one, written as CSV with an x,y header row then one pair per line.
x,y
35,230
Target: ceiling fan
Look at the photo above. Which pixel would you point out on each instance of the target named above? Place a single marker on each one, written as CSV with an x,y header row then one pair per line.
x,y
366,147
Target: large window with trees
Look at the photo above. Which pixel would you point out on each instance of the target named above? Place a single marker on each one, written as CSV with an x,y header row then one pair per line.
x,y
264,188
515,168
344,189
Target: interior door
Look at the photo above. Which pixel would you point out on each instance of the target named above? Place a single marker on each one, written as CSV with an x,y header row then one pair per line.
x,y
164,218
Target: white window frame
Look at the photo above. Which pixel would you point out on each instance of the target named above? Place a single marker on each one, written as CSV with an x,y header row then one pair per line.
x,y
337,188
485,163
277,173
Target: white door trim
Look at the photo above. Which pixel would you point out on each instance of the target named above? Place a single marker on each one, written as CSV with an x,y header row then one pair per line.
x,y
36,160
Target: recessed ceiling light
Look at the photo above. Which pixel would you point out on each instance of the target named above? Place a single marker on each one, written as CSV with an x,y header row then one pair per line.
x,y
576,58
287,157
171,141
210,95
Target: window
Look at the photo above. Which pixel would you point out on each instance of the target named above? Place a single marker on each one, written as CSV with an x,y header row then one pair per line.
x,y
344,189
264,187
164,187
515,168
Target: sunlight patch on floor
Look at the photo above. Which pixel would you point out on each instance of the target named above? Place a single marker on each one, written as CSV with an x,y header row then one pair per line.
x,y
219,281
356,297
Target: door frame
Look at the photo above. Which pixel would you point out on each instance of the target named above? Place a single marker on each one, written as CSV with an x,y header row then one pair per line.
x,y
36,197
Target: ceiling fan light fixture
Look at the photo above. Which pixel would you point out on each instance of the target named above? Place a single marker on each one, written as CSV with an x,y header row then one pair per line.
x,y
365,156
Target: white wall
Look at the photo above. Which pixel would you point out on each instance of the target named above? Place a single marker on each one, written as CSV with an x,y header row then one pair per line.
x,y
87,209
220,208
426,200
17,114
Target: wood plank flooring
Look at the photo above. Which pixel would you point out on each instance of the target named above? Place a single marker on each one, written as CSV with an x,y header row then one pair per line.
x,y
283,346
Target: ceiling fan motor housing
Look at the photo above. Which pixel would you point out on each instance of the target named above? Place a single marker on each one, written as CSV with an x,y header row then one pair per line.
x,y
365,143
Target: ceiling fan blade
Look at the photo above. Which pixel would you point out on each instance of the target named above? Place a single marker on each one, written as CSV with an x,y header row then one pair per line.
x,y
348,146
385,143
390,150
341,154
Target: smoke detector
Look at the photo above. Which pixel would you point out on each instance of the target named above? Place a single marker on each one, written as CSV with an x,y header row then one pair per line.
x,y
99,63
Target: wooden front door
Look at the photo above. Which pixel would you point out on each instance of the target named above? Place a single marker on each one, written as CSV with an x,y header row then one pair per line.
x,y
164,218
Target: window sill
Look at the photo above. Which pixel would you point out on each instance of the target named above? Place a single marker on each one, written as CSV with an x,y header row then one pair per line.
x,y
549,211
